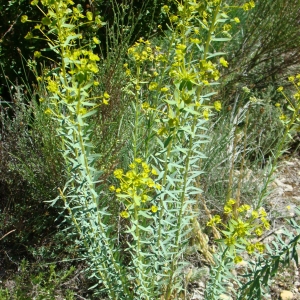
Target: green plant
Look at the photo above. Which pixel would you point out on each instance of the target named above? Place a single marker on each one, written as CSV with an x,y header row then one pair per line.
x,y
157,209
42,283
134,234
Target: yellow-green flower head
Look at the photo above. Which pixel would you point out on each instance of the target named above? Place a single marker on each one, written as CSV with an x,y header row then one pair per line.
x,y
24,19
144,198
250,248
227,27
227,209
260,247
106,95
112,188
283,117
124,214
37,54
173,18
238,259
118,173
230,241
154,172
262,212
34,2
205,114
164,89
236,20
153,86
154,208
132,166
223,62
145,105
258,232
29,36
52,86
230,202
195,41
218,105
255,214
280,89
93,57
95,40
138,160
165,9
89,16
48,111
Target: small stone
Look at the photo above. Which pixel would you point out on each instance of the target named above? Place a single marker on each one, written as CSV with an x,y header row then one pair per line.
x,y
224,297
286,295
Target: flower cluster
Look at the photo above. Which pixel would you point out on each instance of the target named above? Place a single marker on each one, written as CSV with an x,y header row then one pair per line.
x,y
141,51
136,186
243,228
293,102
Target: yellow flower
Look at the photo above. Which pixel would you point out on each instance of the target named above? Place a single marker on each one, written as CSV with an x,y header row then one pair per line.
x,y
227,209
105,101
165,9
252,4
154,208
259,247
124,214
112,188
52,86
48,111
24,19
138,160
118,173
132,166
118,190
218,105
291,78
173,18
277,104
238,259
195,41
95,40
106,95
164,89
230,202
236,20
29,36
255,214
89,16
250,248
154,172
280,89
223,62
153,86
258,232
206,114
37,54
145,105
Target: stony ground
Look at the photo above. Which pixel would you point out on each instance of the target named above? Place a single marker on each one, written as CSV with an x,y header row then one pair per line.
x,y
284,197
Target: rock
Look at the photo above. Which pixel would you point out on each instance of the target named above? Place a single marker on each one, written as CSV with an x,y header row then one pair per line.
x,y
224,297
286,295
